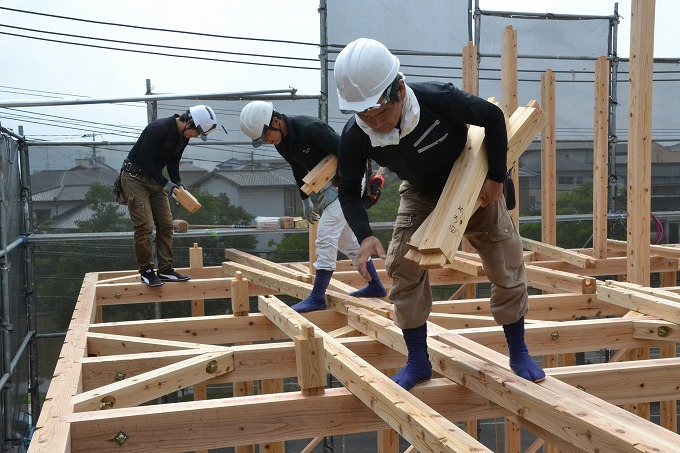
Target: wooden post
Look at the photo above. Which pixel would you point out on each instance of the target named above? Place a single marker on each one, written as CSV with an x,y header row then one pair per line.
x,y
509,89
548,161
600,162
640,139
470,69
470,85
313,227
198,309
269,387
668,410
240,305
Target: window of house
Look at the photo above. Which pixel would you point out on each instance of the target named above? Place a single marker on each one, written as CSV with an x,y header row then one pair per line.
x,y
290,198
565,179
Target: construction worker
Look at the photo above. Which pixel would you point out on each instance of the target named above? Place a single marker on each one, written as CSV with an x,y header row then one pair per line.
x,y
303,141
418,131
147,190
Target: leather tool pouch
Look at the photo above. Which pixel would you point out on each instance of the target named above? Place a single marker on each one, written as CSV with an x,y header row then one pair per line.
x,y
118,194
509,192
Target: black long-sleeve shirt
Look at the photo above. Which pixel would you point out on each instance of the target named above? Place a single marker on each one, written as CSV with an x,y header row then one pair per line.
x,y
309,140
425,156
160,145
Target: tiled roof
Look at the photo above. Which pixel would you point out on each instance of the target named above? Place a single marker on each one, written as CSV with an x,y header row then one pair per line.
x,y
67,221
64,193
259,178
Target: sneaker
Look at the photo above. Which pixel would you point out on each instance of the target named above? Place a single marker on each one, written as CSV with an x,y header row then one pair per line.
x,y
169,275
150,278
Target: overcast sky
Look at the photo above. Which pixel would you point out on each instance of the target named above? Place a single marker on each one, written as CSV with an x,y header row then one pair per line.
x,y
39,69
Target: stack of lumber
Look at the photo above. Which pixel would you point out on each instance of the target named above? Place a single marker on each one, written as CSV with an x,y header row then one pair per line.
x,y
435,243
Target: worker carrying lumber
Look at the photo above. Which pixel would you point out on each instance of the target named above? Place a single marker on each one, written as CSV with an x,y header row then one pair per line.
x,y
147,190
303,141
418,131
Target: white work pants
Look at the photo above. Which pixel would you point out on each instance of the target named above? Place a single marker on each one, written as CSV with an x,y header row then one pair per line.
x,y
334,234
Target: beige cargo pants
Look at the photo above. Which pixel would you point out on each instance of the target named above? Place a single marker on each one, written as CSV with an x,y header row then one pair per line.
x,y
490,231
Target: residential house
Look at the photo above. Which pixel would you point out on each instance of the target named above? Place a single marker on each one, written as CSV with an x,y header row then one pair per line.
x,y
262,190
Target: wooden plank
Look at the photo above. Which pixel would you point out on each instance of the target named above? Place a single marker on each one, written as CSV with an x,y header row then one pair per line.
x,y
154,384
559,253
415,421
323,172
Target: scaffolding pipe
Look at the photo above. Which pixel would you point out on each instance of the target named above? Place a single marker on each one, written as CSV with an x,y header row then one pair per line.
x,y
155,97
6,326
15,361
613,103
29,287
323,58
13,245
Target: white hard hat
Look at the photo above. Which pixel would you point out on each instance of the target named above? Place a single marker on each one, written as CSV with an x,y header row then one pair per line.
x,y
204,120
363,71
254,120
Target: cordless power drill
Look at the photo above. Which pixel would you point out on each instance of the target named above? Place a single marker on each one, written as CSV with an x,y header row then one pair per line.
x,y
374,191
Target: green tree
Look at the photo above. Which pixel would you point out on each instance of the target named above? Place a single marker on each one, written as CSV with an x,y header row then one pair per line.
x,y
106,215
572,234
214,211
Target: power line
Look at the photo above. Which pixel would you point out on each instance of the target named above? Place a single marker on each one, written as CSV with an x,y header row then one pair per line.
x,y
146,52
210,35
159,45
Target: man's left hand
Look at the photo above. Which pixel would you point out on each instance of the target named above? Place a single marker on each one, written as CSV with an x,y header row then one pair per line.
x,y
169,187
490,192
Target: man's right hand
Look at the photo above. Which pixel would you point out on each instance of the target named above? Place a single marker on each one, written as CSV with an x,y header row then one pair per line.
x,y
169,188
369,246
308,211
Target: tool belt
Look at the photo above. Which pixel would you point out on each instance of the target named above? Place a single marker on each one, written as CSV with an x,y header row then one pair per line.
x,y
132,168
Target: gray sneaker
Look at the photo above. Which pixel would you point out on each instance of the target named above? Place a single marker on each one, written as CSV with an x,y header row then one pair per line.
x,y
169,275
150,278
